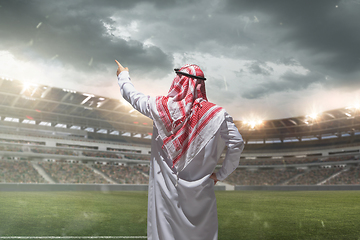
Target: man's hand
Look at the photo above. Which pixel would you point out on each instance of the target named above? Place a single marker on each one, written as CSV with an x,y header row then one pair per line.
x,y
120,68
213,177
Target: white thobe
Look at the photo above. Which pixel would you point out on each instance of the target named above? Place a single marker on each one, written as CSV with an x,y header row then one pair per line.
x,y
184,208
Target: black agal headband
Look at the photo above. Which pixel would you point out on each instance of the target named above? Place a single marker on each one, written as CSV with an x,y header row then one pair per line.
x,y
177,70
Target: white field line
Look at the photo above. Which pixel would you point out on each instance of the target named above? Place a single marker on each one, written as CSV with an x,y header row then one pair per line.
x,y
71,237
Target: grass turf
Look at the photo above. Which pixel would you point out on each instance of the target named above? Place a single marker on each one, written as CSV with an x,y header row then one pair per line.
x,y
242,215
289,215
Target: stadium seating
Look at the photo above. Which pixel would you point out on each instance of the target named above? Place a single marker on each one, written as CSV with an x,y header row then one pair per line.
x,y
126,174
350,176
71,173
13,171
314,176
75,142
262,177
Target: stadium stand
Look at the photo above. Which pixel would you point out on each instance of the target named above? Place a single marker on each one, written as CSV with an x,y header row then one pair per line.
x,y
71,173
126,174
350,176
57,135
314,176
262,177
14,171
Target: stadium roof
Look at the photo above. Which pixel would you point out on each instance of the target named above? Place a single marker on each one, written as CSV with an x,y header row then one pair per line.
x,y
330,123
70,108
45,105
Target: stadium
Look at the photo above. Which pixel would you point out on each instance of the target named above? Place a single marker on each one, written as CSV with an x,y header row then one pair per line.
x,y
77,161
52,135
59,140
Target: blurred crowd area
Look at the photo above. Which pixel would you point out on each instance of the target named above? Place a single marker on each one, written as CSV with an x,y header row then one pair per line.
x,y
351,177
23,171
126,174
21,160
313,176
19,172
71,173
261,177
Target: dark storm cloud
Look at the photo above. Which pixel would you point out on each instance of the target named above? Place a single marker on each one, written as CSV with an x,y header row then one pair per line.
x,y
216,88
320,37
324,35
288,61
289,81
260,68
73,33
196,27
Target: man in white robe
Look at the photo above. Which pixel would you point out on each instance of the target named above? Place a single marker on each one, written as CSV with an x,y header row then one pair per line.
x,y
181,198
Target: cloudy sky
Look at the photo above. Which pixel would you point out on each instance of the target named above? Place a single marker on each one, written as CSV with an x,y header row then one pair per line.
x,y
263,59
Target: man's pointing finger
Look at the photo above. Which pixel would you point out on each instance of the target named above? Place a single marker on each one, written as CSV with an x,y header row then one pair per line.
x,y
119,64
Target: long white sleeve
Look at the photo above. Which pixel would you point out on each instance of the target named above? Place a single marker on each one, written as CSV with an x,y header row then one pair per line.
x,y
138,100
235,146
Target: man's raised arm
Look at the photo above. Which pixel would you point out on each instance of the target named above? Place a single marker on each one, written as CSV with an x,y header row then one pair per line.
x,y
138,100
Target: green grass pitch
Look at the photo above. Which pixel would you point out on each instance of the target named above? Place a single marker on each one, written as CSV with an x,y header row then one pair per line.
x,y
242,214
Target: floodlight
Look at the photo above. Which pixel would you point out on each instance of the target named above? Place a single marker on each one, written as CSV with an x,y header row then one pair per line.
x,y
26,86
252,124
313,116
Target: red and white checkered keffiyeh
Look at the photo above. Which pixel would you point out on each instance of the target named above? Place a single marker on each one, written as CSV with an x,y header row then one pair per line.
x,y
185,120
